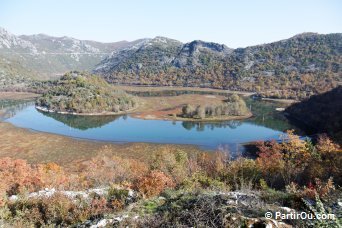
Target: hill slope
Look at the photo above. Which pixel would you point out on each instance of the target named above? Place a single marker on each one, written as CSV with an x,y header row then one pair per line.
x,y
87,94
46,57
301,66
323,112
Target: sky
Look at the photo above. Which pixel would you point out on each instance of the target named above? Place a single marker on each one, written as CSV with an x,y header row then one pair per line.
x,y
238,23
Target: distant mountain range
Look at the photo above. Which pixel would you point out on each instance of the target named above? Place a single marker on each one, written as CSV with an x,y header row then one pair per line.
x,y
304,64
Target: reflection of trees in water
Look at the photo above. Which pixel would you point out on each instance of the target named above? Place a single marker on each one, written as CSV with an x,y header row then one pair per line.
x,y
264,114
82,122
170,93
200,126
8,108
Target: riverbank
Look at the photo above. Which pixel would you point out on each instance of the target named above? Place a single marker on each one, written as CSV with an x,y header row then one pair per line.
x,y
105,113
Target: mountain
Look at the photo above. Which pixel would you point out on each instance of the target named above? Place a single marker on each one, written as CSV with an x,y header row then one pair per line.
x,y
303,65
44,57
322,112
297,67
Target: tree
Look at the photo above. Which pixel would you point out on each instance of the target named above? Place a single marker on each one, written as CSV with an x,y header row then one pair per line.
x,y
188,110
200,110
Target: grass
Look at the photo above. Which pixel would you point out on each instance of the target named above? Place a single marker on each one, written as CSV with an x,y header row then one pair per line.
x,y
175,88
168,107
17,95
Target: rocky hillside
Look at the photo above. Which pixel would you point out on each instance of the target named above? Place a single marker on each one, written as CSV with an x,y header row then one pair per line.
x,y
45,57
300,66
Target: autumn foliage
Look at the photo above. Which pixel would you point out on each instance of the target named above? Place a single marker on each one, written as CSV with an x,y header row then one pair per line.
x,y
17,175
294,167
154,183
299,161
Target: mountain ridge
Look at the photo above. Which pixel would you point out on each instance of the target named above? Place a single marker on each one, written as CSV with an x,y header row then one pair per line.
x,y
305,64
302,65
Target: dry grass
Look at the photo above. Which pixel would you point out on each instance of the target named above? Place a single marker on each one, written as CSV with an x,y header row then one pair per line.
x,y
167,107
17,95
175,88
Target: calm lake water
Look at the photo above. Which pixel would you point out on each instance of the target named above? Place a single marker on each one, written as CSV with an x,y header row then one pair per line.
x,y
267,124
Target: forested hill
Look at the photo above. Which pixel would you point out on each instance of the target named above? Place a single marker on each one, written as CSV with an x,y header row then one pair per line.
x,y
303,65
323,112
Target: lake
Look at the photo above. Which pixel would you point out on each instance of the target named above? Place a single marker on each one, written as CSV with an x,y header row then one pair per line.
x,y
265,125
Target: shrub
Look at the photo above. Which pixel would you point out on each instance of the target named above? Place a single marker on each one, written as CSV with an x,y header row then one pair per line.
x,y
58,210
17,175
117,198
172,162
103,170
242,173
319,209
154,183
201,181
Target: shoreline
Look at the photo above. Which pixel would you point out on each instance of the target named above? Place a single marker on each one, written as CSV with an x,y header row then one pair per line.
x,y
147,117
152,117
43,109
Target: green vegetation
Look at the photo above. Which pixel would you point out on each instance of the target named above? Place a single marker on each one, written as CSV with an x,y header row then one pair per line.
x,y
81,93
232,106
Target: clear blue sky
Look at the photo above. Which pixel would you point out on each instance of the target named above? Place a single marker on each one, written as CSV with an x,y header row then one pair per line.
x,y
234,23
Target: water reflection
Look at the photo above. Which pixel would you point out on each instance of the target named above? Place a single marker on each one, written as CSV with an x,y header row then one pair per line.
x,y
170,93
264,114
266,124
9,108
201,126
82,122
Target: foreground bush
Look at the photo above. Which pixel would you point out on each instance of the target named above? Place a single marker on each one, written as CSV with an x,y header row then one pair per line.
x,y
57,210
154,183
194,187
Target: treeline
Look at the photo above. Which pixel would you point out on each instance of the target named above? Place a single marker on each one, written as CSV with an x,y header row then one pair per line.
x,y
232,106
83,93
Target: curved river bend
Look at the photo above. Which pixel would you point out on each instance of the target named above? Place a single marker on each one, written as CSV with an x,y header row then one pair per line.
x,y
267,124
